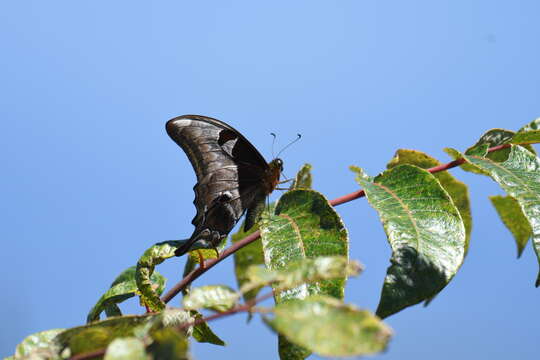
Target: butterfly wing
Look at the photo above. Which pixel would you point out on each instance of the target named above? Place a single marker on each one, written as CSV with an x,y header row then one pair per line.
x,y
229,172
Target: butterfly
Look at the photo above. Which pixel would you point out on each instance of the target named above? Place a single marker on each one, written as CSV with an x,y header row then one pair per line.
x,y
233,178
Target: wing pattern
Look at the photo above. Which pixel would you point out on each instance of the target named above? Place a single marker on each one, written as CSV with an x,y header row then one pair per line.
x,y
229,175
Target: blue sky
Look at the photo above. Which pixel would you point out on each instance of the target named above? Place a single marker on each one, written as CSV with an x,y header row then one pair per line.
x,y
90,178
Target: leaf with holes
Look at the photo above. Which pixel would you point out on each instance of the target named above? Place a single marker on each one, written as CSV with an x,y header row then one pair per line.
x,y
519,176
303,226
424,229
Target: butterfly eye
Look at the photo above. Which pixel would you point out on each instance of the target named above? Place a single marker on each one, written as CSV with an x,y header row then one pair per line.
x,y
279,162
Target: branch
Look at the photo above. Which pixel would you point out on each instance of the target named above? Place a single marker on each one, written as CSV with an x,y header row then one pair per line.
x,y
89,355
210,263
207,265
240,308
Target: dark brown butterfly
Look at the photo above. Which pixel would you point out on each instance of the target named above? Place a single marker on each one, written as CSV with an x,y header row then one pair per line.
x,y
232,177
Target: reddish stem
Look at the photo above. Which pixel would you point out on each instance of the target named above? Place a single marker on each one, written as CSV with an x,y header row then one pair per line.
x,y
237,309
88,355
208,264
240,308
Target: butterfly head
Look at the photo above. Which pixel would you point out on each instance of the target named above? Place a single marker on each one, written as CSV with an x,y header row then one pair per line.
x,y
275,168
277,163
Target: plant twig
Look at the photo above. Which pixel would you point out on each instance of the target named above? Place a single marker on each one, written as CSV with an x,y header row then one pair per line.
x,y
210,263
240,308
89,355
207,265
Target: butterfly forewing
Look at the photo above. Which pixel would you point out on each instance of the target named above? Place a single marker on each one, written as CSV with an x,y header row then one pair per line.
x,y
230,175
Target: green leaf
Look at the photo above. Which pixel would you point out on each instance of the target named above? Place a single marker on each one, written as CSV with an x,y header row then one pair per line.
x,y
512,216
328,327
203,333
454,154
304,179
424,229
479,150
288,350
491,138
169,344
528,134
126,349
173,317
145,268
519,176
99,334
495,137
533,125
122,288
301,272
38,344
112,310
530,137
215,297
247,256
206,253
457,190
304,225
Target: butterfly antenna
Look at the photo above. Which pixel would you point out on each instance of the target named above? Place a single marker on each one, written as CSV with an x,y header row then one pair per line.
x,y
289,144
273,142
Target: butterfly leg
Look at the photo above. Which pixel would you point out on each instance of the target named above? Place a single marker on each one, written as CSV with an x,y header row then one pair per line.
x,y
284,182
201,258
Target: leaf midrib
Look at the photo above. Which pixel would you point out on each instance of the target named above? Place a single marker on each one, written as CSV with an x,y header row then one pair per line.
x,y
529,190
407,211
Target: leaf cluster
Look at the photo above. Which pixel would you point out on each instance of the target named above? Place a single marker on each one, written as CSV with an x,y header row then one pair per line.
x,y
302,262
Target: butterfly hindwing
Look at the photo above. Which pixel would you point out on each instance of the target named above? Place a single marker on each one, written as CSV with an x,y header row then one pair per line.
x,y
230,175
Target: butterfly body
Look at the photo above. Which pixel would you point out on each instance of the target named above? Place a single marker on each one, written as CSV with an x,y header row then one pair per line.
x,y
232,177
